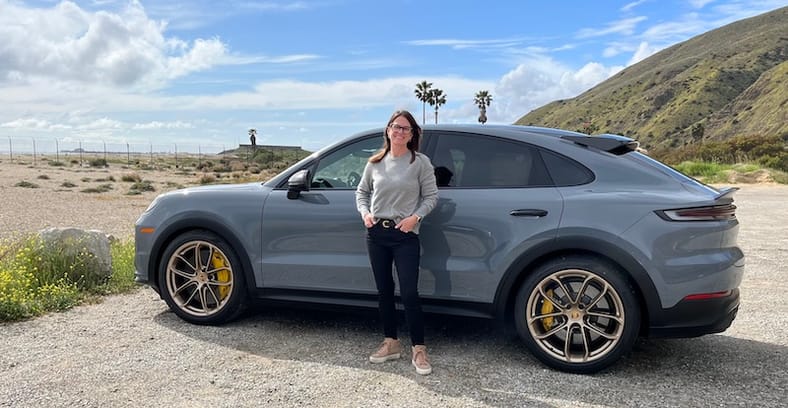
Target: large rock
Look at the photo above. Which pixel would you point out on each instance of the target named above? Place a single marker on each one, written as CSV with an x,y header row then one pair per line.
x,y
89,249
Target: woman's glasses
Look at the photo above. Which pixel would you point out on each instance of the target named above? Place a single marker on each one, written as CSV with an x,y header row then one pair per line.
x,y
397,128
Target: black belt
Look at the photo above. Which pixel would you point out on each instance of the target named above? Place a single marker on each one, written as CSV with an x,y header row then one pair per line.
x,y
387,223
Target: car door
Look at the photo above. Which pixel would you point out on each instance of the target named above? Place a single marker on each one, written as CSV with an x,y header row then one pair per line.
x,y
495,202
317,241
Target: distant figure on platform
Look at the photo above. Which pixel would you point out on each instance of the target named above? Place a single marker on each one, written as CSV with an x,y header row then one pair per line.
x,y
253,136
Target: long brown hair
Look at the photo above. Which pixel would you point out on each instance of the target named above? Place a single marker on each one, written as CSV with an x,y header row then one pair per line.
x,y
413,144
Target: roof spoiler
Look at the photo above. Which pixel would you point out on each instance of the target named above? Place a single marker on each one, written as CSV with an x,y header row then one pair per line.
x,y
725,191
615,144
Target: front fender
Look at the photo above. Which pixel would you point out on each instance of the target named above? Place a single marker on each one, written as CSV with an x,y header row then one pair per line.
x,y
242,241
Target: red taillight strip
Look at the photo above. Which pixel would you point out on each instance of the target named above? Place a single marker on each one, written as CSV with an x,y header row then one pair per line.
x,y
705,296
712,213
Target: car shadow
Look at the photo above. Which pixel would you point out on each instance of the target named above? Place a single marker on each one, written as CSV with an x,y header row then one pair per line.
x,y
481,360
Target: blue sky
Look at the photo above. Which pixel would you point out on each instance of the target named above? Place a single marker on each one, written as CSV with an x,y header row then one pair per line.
x,y
308,73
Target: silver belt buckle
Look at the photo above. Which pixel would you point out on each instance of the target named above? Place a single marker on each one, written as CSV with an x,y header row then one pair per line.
x,y
387,223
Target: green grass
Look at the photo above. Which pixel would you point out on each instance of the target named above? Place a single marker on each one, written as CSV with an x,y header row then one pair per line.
x,y
713,173
35,279
702,169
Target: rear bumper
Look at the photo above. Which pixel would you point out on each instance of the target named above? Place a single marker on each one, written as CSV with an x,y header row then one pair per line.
x,y
692,318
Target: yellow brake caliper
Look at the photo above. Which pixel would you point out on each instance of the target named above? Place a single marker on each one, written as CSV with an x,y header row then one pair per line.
x,y
218,262
547,308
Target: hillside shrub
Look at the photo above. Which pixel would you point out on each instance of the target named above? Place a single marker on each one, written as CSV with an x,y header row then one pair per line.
x,y
98,163
769,151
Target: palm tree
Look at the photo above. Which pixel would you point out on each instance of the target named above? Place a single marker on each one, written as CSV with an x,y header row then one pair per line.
x,y
483,100
436,98
423,94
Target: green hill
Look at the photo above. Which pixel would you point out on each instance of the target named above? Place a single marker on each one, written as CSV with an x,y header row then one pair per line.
x,y
732,81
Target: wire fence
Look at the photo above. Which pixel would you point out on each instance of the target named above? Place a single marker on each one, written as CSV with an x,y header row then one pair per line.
x,y
36,151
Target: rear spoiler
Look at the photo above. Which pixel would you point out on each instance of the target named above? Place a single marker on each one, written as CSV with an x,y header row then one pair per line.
x,y
726,191
615,144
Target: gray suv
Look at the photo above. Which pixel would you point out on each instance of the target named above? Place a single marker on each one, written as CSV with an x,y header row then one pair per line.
x,y
581,242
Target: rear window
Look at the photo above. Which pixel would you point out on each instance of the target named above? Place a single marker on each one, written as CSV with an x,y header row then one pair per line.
x,y
665,169
565,171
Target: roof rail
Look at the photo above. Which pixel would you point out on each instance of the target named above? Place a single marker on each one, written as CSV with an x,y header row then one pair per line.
x,y
615,144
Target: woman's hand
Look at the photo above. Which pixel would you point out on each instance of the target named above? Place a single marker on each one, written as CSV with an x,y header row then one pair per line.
x,y
408,223
369,220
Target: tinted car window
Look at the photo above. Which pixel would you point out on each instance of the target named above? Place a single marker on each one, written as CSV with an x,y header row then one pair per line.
x,y
343,167
464,160
566,172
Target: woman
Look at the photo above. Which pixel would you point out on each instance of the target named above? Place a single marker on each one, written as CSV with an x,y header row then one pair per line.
x,y
396,192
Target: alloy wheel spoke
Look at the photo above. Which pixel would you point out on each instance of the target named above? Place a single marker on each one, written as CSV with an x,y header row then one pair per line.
x,y
599,331
616,318
601,295
211,290
213,272
183,274
191,295
186,261
550,299
568,342
534,318
198,265
553,331
586,346
184,286
220,283
203,298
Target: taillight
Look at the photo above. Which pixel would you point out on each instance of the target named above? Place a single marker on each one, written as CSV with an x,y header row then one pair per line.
x,y
706,296
710,213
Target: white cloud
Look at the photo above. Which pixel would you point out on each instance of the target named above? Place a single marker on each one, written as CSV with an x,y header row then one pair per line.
x,y
643,51
118,49
461,44
27,123
535,83
163,125
630,6
625,27
124,49
699,3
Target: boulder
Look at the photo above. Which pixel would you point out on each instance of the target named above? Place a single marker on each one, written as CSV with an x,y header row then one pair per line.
x,y
87,249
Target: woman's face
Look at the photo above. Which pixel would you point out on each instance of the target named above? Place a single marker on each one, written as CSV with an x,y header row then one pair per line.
x,y
400,132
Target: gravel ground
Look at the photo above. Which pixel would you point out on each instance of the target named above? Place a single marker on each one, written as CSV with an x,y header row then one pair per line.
x,y
131,351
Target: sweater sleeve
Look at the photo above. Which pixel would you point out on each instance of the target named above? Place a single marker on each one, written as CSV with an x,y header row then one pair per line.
x,y
364,191
429,187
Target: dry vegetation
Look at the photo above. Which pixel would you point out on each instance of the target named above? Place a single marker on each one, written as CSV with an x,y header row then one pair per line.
x,y
65,194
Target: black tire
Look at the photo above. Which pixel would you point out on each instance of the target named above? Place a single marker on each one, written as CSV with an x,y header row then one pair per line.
x,y
601,309
209,291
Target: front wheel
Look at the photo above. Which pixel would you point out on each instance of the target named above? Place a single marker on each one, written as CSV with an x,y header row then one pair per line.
x,y
577,314
201,279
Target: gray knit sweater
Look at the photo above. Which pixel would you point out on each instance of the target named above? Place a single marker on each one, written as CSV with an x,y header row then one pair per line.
x,y
394,188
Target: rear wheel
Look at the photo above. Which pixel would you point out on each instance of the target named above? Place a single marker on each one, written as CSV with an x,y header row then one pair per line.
x,y
201,279
577,314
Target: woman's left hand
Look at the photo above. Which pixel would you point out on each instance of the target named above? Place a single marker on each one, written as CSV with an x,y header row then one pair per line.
x,y
408,223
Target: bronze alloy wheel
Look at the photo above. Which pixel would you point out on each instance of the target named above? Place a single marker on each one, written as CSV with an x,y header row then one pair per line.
x,y
199,278
575,316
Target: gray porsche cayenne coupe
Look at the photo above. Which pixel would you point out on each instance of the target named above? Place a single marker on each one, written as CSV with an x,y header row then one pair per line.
x,y
581,242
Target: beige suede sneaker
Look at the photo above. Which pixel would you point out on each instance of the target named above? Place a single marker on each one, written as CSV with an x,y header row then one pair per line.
x,y
390,349
420,360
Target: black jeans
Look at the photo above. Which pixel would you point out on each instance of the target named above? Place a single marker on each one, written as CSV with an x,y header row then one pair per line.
x,y
387,246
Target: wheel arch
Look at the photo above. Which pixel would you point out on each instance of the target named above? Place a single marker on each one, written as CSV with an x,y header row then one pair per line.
x,y
197,223
519,269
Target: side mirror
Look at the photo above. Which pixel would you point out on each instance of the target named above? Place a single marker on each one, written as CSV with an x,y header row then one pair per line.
x,y
297,183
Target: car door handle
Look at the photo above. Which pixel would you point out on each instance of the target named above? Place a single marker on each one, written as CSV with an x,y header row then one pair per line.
x,y
528,213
